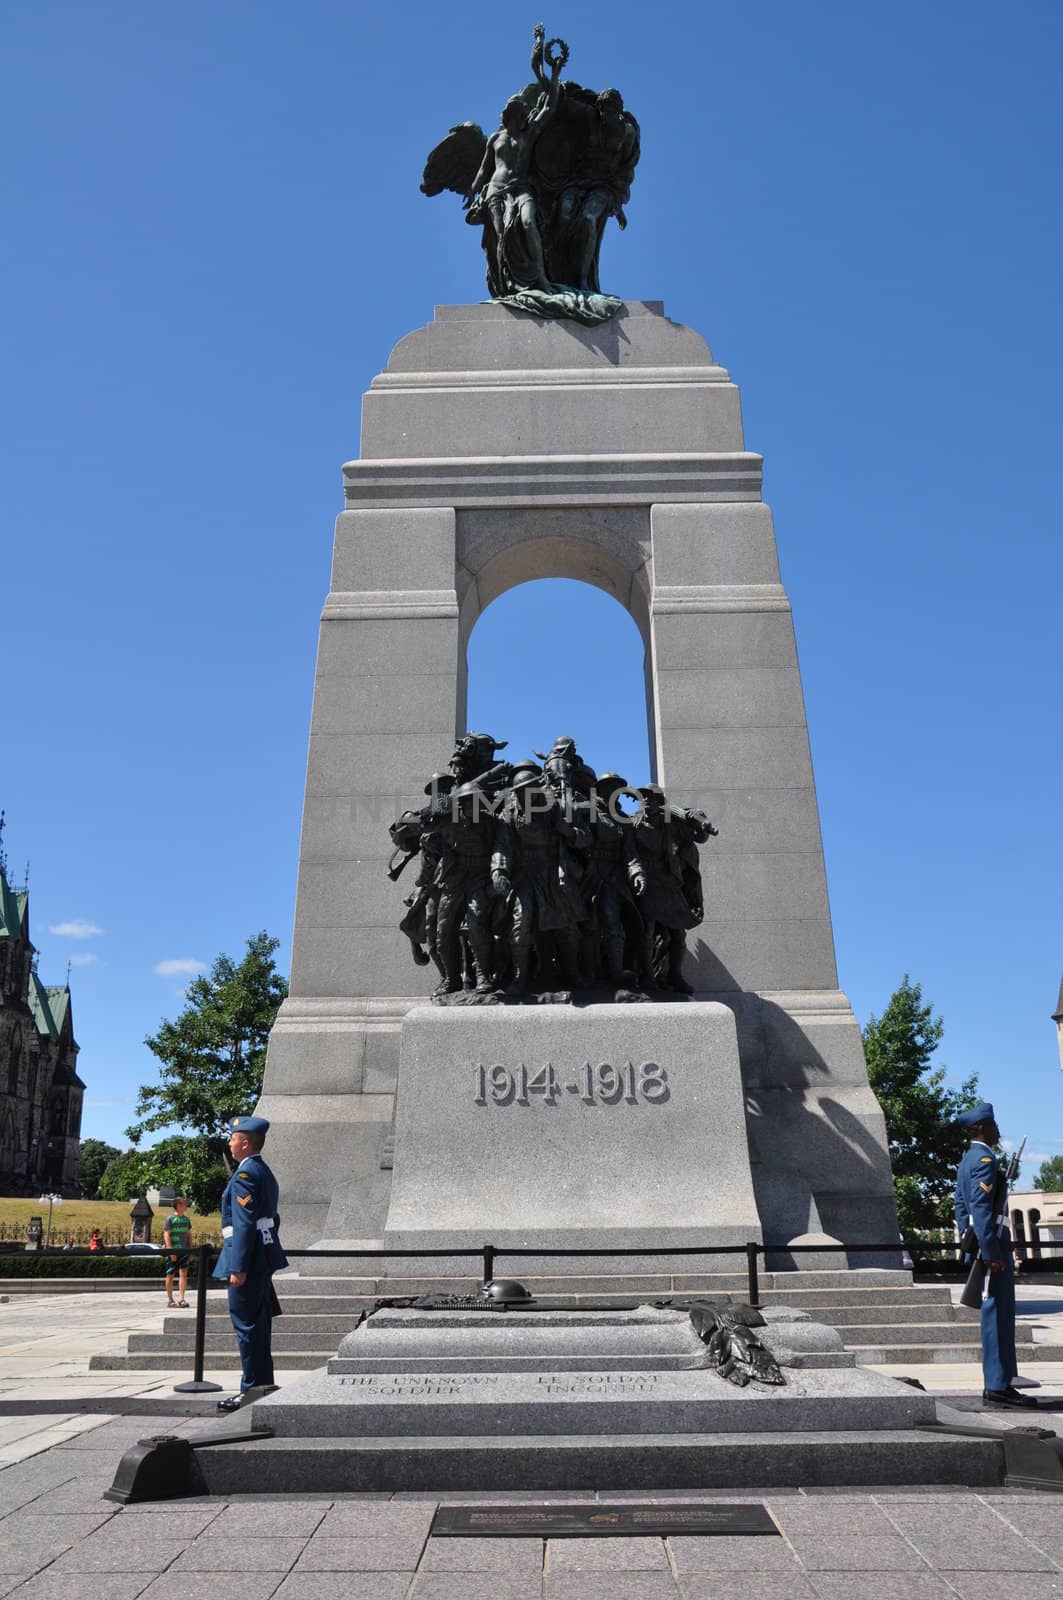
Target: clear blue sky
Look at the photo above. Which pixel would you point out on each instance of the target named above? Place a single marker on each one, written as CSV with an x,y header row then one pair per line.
x,y
215,236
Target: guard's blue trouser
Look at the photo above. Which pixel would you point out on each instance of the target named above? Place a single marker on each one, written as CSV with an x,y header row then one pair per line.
x,y
251,1310
999,1364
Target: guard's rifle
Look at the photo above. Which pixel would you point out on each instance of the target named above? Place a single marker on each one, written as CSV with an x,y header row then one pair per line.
x,y
1014,1164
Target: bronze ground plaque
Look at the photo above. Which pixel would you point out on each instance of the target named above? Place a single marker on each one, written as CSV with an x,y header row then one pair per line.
x,y
598,1521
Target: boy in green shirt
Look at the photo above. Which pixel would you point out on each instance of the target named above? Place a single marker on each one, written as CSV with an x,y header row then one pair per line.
x,y
175,1237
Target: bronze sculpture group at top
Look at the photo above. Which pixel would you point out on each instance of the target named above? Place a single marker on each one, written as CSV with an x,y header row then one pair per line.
x,y
543,187
531,879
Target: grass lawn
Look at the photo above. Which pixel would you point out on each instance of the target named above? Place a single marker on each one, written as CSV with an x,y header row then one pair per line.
x,y
76,1219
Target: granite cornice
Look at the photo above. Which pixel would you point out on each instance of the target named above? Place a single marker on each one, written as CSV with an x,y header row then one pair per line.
x,y
553,480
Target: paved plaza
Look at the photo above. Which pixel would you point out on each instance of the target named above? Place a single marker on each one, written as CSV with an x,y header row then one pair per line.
x,y
60,1540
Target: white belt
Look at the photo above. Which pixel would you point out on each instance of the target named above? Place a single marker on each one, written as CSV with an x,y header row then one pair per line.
x,y
227,1233
264,1225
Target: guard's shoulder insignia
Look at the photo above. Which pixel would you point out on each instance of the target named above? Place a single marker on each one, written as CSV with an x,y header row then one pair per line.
x,y
981,1185
243,1199
986,1159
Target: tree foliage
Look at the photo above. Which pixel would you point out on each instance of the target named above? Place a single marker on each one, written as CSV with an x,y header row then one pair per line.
x,y
93,1157
920,1112
190,1166
1050,1174
214,1053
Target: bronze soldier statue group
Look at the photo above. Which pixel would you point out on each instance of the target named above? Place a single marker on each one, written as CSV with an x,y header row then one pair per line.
x,y
543,186
531,878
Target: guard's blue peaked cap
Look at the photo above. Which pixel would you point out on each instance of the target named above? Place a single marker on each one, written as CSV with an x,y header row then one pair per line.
x,y
248,1125
977,1114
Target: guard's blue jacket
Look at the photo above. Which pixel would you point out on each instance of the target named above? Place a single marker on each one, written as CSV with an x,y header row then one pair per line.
x,y
249,1222
983,1202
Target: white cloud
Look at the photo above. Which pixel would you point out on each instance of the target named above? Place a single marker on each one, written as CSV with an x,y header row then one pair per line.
x,y
84,958
77,929
179,967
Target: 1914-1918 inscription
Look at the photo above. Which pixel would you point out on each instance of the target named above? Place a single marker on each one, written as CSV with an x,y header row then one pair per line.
x,y
595,1083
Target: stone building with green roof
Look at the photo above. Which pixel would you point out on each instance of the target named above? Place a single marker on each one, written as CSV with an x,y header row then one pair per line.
x,y
40,1091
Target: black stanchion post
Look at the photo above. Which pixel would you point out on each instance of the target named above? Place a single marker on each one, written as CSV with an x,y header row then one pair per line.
x,y
489,1262
751,1273
197,1385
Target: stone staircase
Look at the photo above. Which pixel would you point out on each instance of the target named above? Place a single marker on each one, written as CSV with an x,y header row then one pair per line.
x,y
882,1316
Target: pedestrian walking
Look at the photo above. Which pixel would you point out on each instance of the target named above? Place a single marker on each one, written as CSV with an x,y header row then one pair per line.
x,y
175,1234
250,1254
982,1207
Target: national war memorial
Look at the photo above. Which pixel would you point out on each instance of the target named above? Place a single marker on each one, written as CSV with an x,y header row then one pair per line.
x,y
558,431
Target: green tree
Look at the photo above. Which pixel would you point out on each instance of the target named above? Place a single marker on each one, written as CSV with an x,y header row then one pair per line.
x,y
93,1157
128,1175
190,1166
1050,1174
214,1053
925,1143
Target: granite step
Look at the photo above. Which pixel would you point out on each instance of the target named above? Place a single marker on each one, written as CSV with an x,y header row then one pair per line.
x,y
954,1353
215,1360
920,1333
326,1325
650,1285
638,1462
843,1317
331,1319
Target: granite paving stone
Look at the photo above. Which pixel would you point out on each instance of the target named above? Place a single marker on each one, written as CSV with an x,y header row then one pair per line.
x,y
974,1550
8,1581
855,1553
35,1521
121,1434
79,1494
52,1585
380,1554
745,1586
234,1585
98,1553
278,1520
215,1553
339,1586
484,1555
1031,1519
635,1554
829,1518
1019,1586
28,1553
732,1553
609,1586
180,1524
884,1586
908,1518
365,1521
85,1463
1051,1542
477,1586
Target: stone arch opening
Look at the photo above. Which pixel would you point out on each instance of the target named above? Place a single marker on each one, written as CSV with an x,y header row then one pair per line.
x,y
607,549
579,667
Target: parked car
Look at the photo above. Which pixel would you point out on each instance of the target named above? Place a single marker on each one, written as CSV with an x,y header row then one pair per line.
x,y
143,1249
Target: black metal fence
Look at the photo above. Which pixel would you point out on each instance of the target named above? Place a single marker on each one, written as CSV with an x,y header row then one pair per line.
x,y
488,1254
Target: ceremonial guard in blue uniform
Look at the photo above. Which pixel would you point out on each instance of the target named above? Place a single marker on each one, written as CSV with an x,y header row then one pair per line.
x,y
982,1204
250,1254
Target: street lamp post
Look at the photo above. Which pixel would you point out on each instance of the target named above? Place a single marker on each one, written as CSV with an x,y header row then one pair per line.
x,y
52,1200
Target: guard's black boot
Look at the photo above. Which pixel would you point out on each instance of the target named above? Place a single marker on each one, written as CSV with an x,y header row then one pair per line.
x,y
1009,1397
232,1402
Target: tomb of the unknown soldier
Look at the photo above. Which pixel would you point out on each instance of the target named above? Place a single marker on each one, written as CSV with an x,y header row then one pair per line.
x,y
565,1099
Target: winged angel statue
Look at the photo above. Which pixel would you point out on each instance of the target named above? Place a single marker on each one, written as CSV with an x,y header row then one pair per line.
x,y
543,187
